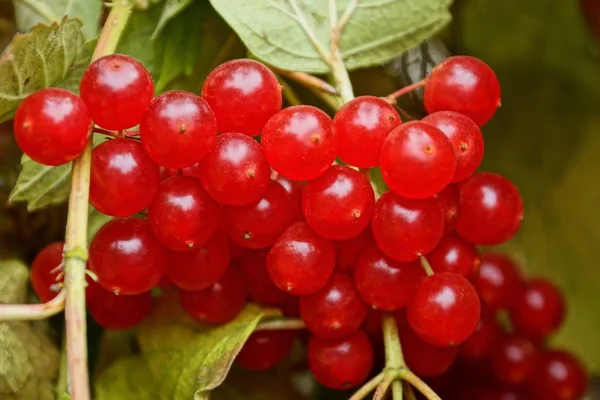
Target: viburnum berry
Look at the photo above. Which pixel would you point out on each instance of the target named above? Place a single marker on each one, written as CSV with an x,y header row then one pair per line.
x,y
192,172
558,375
498,281
127,257
265,349
45,269
338,204
299,142
347,252
294,190
118,311
513,359
123,179
52,126
340,363
178,129
361,125
463,84
235,172
261,289
454,254
404,228
481,342
117,90
449,200
417,160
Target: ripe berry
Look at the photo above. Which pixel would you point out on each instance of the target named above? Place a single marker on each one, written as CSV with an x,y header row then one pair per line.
x,y
466,138
300,262
218,303
265,349
235,172
340,363
454,254
463,84
491,209
294,190
479,345
258,225
417,160
45,270
339,204
513,359
201,267
404,229
118,311
192,172
361,126
52,126
182,214
498,281
127,257
123,180
178,129
449,200
347,252
244,94
384,283
299,142
558,375
261,288
445,310
334,311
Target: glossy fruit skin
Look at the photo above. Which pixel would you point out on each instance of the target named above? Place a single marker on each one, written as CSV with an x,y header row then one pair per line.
x,y
299,142
454,254
118,312
449,201
301,262
261,289
126,256
265,349
513,359
52,126
445,310
235,172
539,308
347,252
244,94
361,125
117,90
485,337
404,229
466,139
294,190
334,311
43,280
340,363
201,267
123,180
491,209
218,303
498,281
178,129
182,215
193,172
558,375
339,204
417,160
384,283
463,84
259,224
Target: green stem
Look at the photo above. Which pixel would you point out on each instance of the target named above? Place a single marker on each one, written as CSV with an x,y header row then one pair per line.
x,y
397,390
394,359
421,386
426,266
340,75
281,324
367,387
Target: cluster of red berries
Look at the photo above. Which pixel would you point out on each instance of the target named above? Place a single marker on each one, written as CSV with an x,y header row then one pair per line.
x,y
229,218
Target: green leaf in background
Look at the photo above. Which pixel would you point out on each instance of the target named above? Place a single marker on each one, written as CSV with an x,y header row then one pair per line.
x,y
272,29
95,221
36,60
84,56
32,12
126,379
268,385
171,9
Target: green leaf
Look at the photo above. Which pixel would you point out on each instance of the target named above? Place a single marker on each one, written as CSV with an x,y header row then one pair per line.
x,y
83,59
29,13
95,221
136,42
268,385
128,378
377,31
171,9
13,281
36,60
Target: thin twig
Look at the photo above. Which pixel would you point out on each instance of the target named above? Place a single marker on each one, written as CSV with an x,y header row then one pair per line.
x,y
383,387
30,312
281,324
426,266
307,80
397,390
367,388
289,94
406,89
409,392
421,386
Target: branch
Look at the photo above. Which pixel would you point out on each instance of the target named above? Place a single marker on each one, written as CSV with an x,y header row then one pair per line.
x,y
307,80
281,324
421,386
367,387
426,266
30,312
406,89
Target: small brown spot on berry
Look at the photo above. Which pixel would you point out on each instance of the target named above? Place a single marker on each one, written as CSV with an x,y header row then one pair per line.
x,y
356,214
316,138
336,325
428,149
247,236
391,117
182,128
251,174
289,287
26,125
464,146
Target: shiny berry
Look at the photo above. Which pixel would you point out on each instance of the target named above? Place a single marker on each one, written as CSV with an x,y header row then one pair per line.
x,y
513,359
261,288
449,200
479,345
348,251
45,269
294,190
118,311
498,281
265,349
454,254
558,375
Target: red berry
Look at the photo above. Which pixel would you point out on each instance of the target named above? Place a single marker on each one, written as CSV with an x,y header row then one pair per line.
x,y
339,204
261,288
491,209
127,257
558,375
52,126
513,359
117,90
178,129
463,84
347,252
218,303
466,138
498,281
193,172
361,126
299,142
294,190
244,94
445,309
235,172
384,283
265,349
449,200
404,229
300,262
291,307
258,225
417,160
479,345
123,180
118,312
454,254
183,215
45,269
340,363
